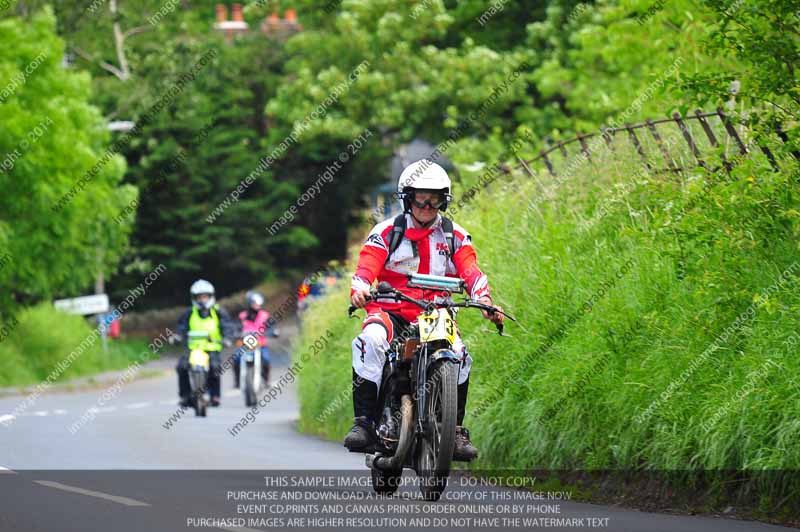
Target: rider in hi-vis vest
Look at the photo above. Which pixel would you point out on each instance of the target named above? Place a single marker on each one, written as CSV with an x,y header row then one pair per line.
x,y
430,244
203,316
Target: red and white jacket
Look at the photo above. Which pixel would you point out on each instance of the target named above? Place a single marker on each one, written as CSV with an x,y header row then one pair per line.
x,y
431,258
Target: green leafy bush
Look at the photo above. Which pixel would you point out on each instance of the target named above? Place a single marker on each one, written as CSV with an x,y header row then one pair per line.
x,y
47,343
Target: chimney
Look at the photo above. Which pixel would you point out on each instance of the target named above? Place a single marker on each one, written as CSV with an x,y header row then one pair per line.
x,y
222,13
230,28
274,26
237,13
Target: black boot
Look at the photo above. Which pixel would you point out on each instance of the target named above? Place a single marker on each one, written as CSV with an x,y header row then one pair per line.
x,y
365,399
361,435
464,450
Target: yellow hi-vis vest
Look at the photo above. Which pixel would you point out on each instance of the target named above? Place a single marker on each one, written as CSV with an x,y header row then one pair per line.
x,y
209,324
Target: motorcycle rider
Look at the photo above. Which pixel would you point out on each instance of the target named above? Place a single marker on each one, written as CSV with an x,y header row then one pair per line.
x,y
424,189
204,316
254,321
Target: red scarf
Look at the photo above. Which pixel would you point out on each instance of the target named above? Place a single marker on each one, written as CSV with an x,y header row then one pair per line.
x,y
415,235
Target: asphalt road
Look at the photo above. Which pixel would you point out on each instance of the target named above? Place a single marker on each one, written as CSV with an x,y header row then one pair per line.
x,y
120,469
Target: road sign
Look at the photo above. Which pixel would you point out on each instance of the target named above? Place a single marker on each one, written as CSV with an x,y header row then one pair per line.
x,y
96,304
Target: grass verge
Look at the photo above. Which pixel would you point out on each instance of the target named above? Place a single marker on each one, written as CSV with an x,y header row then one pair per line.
x,y
41,343
658,329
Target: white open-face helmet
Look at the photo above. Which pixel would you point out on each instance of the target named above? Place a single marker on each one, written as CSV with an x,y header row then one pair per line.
x,y
201,286
254,298
423,175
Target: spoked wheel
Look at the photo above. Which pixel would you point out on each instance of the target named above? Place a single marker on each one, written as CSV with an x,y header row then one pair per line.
x,y
249,392
198,396
386,482
200,405
436,447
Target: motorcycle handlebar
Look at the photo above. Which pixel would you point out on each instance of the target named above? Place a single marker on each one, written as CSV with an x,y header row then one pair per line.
x,y
383,292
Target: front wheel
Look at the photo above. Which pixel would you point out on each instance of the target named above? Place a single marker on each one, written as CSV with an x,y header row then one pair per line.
x,y
436,450
249,392
197,381
200,405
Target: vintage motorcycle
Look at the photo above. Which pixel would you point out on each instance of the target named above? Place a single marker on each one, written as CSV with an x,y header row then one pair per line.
x,y
419,389
250,371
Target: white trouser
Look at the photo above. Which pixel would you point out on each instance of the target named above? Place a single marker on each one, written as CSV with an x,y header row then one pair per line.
x,y
369,354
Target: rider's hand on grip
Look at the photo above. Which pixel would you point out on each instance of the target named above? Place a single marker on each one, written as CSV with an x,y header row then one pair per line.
x,y
359,298
495,317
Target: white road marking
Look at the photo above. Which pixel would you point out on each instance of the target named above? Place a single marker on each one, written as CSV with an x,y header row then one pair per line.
x,y
138,405
6,471
114,498
7,417
231,393
105,409
59,411
171,402
40,413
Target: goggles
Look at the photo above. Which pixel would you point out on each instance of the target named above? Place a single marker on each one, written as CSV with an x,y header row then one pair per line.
x,y
434,200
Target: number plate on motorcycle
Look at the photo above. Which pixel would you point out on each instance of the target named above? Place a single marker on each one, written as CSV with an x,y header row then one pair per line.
x,y
436,325
250,341
198,357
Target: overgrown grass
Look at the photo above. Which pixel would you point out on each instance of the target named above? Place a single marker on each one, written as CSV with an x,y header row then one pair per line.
x,y
573,388
44,337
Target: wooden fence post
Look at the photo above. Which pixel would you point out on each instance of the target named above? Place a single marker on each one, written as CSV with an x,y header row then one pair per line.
x,y
526,167
689,140
638,146
584,149
664,151
731,130
712,138
607,137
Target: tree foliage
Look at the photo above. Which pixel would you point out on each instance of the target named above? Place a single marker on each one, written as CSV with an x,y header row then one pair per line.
x,y
475,78
51,137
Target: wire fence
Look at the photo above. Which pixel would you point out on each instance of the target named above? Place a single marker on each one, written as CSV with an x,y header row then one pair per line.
x,y
708,135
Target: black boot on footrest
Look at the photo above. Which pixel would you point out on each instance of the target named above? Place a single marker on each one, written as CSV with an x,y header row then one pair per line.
x,y
361,436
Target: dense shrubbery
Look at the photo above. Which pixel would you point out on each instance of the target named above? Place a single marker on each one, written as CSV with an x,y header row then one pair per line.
x,y
41,342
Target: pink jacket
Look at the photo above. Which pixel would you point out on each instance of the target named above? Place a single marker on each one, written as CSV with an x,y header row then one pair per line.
x,y
258,326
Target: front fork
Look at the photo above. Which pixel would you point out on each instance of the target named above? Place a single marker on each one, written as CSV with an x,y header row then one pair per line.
x,y
422,396
424,361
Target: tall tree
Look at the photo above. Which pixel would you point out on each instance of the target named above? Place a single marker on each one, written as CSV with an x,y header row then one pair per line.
x,y
60,191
